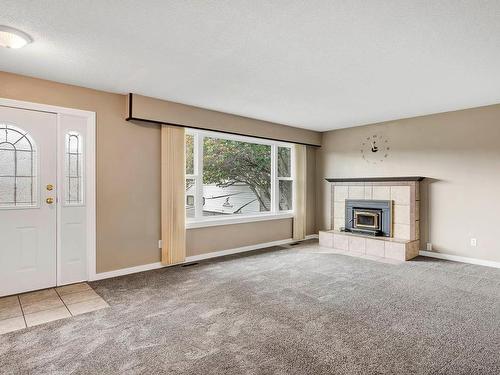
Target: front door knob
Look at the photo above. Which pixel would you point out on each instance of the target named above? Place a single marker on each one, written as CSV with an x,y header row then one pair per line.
x,y
49,200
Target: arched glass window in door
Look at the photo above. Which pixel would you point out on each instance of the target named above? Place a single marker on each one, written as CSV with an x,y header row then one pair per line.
x,y
18,168
74,169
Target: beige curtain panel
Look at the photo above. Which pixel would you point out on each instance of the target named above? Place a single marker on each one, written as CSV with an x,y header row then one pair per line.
x,y
299,203
173,191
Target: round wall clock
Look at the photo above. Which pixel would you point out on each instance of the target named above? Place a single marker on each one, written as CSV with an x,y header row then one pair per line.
x,y
375,149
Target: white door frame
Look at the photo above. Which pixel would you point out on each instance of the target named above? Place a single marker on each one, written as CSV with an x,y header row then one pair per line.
x,y
90,166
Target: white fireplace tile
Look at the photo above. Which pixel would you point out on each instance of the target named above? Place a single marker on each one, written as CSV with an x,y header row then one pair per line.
x,y
402,231
395,250
338,223
400,194
357,245
339,209
368,192
356,192
326,239
401,214
417,229
340,242
341,193
417,210
381,192
375,247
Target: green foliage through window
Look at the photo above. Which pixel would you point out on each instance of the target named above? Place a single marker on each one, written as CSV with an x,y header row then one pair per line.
x,y
189,154
234,176
226,163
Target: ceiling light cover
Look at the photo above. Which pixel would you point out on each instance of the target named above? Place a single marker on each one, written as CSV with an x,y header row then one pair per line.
x,y
13,38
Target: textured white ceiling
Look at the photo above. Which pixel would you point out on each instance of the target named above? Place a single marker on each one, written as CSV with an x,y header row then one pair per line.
x,y
313,64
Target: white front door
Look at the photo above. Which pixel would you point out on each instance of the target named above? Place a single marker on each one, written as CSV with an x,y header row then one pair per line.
x,y
28,214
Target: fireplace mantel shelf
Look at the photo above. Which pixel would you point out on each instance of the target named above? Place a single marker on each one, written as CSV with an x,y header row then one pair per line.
x,y
375,179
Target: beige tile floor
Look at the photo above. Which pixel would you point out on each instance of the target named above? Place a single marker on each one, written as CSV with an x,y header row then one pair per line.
x,y
34,308
327,250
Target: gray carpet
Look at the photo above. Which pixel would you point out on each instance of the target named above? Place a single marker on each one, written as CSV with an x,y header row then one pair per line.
x,y
279,311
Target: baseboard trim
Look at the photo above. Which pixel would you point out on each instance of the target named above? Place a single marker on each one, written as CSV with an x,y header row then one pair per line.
x,y
194,258
457,258
243,249
127,271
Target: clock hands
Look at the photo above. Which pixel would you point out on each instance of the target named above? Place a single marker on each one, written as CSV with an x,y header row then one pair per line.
x,y
370,143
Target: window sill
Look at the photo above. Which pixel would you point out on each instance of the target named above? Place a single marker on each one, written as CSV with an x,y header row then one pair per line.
x,y
213,222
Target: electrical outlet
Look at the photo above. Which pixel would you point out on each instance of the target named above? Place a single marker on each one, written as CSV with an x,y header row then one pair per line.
x,y
473,242
160,244
429,246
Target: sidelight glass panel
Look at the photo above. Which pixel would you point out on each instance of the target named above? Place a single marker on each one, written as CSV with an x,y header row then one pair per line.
x,y
74,169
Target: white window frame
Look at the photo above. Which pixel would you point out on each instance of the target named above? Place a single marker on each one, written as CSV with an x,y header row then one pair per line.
x,y
274,213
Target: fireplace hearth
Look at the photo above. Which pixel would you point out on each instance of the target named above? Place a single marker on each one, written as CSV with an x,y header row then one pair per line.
x,y
367,216
375,216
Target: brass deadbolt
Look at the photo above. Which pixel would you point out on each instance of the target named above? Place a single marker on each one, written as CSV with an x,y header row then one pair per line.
x,y
50,187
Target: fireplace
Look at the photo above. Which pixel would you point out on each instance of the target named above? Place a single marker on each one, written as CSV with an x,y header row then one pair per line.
x,y
366,216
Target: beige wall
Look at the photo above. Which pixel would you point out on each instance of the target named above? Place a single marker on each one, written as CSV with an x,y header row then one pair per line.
x,y
458,151
152,109
204,240
128,180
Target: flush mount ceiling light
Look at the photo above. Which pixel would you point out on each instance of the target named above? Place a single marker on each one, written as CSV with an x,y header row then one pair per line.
x,y
13,38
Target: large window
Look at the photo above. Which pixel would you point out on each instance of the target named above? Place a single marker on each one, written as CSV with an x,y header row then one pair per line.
x,y
233,176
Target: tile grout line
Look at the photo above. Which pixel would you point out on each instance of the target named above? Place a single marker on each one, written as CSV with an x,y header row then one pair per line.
x,y
60,299
81,291
22,311
64,303
43,299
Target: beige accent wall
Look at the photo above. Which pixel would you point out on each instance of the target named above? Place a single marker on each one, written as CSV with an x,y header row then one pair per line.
x,y
128,180
209,239
458,152
152,109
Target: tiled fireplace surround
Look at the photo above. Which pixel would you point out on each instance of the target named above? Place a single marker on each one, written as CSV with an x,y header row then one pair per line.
x,y
404,192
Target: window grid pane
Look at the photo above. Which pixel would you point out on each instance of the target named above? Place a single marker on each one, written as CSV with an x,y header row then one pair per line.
x,y
190,197
285,195
284,162
189,154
